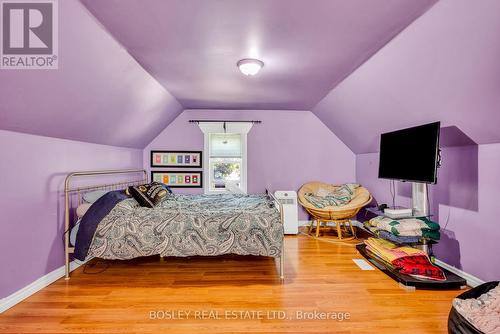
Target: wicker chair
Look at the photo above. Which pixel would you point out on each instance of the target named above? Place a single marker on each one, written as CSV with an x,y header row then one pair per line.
x,y
340,215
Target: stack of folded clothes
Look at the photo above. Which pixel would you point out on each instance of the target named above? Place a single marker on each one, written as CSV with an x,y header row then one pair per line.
x,y
406,260
407,230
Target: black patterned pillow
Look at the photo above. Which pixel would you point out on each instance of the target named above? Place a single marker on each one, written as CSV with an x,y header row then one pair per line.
x,y
148,195
167,188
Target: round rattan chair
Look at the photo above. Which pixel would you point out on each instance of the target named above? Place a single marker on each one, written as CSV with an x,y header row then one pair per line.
x,y
340,215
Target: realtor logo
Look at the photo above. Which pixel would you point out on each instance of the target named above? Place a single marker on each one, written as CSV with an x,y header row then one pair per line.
x,y
29,34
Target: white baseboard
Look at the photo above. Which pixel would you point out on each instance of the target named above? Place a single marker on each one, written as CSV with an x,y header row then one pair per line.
x,y
472,281
304,223
30,289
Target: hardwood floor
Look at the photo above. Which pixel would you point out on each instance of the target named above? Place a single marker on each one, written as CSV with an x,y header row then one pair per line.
x,y
320,276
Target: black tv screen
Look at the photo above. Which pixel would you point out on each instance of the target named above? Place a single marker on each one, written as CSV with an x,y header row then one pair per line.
x,y
410,154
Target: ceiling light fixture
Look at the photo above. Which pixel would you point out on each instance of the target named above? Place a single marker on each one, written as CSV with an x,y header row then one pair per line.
x,y
250,66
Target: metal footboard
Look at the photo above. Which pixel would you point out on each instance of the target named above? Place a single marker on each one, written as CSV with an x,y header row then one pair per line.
x,y
279,207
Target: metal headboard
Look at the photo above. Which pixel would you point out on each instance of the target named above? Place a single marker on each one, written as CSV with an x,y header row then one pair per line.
x,y
78,192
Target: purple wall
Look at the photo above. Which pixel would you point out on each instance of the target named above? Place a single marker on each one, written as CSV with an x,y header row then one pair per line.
x,y
33,171
286,150
99,94
464,202
444,67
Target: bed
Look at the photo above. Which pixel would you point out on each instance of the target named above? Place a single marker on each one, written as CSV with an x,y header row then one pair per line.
x,y
116,227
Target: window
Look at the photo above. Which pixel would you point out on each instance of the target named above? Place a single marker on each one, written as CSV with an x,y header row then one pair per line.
x,y
225,161
225,155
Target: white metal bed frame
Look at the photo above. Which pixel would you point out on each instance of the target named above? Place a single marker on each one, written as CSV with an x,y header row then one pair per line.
x,y
70,193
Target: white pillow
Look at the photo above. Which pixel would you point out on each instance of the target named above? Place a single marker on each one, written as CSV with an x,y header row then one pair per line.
x,y
82,209
93,196
233,187
73,233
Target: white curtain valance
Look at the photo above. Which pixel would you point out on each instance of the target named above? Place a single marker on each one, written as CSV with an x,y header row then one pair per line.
x,y
218,127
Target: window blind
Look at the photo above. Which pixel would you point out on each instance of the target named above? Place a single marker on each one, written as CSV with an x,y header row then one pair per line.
x,y
225,145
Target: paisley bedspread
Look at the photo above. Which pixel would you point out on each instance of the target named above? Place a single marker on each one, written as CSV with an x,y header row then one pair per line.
x,y
188,225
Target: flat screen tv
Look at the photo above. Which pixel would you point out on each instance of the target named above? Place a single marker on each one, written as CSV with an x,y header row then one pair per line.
x,y
410,154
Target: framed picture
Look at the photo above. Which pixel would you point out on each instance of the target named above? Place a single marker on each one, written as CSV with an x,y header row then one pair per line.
x,y
184,159
175,179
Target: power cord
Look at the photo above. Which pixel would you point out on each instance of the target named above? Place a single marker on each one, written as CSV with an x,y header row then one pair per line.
x,y
447,219
69,229
107,265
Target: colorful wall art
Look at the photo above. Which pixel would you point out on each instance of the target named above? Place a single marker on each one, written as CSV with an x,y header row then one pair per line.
x,y
185,159
175,179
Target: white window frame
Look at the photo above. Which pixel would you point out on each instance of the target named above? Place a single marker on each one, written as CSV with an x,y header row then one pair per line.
x,y
241,128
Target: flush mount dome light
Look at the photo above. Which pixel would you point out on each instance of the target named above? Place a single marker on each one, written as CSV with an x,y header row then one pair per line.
x,y
250,66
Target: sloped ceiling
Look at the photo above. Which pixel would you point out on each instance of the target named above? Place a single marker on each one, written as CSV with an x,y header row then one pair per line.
x,y
99,94
445,66
127,68
191,46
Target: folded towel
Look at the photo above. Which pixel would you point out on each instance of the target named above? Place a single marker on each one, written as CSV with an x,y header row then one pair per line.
x,y
399,239
421,227
389,252
419,267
